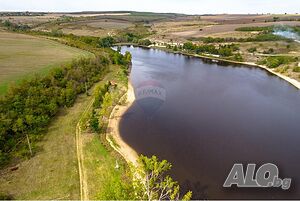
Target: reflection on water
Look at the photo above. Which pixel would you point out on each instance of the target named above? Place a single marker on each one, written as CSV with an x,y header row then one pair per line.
x,y
203,117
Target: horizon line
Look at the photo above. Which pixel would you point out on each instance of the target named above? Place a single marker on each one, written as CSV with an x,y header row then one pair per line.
x,y
123,11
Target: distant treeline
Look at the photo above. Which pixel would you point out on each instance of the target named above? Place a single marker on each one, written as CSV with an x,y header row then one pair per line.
x,y
21,13
222,50
227,51
270,29
127,36
258,38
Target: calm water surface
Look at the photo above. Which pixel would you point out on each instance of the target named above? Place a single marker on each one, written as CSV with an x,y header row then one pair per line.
x,y
203,117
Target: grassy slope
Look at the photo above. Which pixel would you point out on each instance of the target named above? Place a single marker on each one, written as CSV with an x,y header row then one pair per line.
x,y
53,172
22,55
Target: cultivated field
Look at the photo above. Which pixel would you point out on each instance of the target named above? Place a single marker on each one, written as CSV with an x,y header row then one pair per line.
x,y
182,28
213,30
22,55
95,27
245,19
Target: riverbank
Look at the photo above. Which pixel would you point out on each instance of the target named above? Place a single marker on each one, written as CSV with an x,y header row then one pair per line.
x,y
113,135
291,81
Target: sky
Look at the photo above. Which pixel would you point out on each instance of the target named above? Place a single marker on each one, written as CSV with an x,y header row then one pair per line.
x,y
175,6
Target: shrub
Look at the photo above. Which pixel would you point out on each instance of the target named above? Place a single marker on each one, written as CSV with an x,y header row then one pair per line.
x,y
252,49
246,29
238,57
269,51
296,69
275,61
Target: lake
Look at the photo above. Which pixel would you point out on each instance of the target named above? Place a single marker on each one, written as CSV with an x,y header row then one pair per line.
x,y
205,116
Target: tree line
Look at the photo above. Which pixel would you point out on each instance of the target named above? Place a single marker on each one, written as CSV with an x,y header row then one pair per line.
x,y
227,51
28,107
258,38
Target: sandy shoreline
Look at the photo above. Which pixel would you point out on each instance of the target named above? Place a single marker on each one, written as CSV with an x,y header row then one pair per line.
x,y
113,131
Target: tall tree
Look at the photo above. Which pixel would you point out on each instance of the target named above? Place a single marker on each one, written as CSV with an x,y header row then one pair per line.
x,y
152,183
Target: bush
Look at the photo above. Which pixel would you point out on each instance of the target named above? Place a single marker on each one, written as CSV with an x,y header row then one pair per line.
x,y
238,57
4,196
252,49
56,33
15,27
246,29
274,62
296,69
269,51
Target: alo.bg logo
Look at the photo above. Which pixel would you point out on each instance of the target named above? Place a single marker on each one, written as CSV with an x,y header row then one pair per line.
x,y
266,176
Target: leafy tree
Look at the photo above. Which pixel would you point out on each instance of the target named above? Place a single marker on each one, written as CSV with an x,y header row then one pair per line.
x,y
94,122
106,42
145,42
7,24
119,49
127,57
188,46
153,183
56,33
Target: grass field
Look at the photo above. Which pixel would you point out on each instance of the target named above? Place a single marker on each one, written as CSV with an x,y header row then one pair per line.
x,y
23,55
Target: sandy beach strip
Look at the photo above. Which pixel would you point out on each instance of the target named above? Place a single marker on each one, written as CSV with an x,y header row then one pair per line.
x,y
113,131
